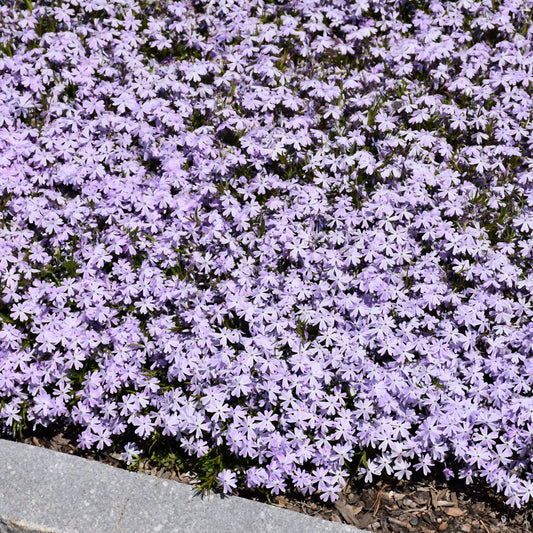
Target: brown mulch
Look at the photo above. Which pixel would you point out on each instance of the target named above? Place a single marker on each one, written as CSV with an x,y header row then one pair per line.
x,y
422,506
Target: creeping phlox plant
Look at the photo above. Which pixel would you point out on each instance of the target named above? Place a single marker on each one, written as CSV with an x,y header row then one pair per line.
x,y
293,237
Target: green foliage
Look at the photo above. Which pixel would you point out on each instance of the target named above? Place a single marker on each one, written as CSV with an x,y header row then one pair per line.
x,y
178,269
209,466
165,452
4,314
260,225
46,24
79,376
177,52
496,222
6,49
71,91
373,111
60,268
198,119
19,427
437,383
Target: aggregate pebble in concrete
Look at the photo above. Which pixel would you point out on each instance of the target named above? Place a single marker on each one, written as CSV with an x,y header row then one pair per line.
x,y
46,491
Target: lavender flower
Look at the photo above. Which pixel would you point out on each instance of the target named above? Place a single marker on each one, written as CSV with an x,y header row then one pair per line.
x,y
299,233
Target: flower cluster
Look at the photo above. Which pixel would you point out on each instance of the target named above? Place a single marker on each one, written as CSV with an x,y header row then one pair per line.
x,y
297,231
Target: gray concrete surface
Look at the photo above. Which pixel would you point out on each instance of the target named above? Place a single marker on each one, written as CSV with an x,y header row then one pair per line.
x,y
46,491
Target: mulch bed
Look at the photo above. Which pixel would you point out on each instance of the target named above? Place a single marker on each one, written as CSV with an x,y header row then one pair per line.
x,y
421,506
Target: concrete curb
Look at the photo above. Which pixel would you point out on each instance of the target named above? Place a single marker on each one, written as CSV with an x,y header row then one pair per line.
x,y
46,491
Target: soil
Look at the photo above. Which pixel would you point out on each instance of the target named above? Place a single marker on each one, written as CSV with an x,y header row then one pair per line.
x,y
389,506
